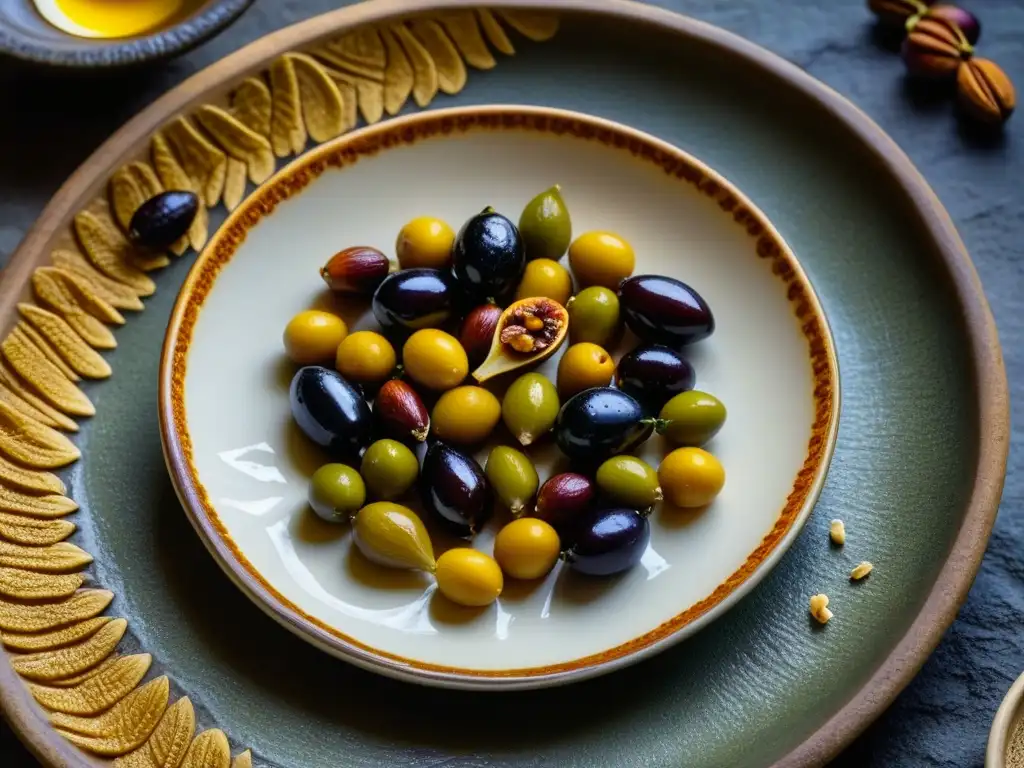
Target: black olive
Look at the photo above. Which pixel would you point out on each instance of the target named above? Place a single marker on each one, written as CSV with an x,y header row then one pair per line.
x,y
488,257
163,219
600,423
455,489
662,310
654,374
609,541
413,299
331,411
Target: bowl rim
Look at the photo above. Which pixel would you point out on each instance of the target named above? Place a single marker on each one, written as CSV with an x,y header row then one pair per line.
x,y
163,43
956,572
695,177
1009,714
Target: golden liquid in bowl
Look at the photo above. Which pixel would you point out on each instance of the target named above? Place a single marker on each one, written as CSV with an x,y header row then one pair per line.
x,y
113,18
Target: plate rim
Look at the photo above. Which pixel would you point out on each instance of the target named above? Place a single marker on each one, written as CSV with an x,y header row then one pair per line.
x,y
766,243
992,400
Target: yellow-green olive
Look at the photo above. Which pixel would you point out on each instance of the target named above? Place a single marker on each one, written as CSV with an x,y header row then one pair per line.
x,y
593,316
389,469
693,418
530,407
691,477
513,477
629,480
336,491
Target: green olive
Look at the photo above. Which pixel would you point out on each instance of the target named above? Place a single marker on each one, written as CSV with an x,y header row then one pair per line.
x,y
389,469
530,407
629,480
513,477
545,226
336,492
593,316
693,418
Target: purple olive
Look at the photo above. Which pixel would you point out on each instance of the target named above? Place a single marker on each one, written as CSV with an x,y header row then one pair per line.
x,y
455,490
564,499
654,374
965,20
599,423
331,411
663,310
609,541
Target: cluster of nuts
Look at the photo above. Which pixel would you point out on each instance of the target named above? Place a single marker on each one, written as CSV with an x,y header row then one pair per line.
x,y
532,327
939,45
819,603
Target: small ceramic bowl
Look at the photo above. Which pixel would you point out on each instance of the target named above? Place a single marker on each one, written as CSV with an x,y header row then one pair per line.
x,y
26,34
242,468
1008,730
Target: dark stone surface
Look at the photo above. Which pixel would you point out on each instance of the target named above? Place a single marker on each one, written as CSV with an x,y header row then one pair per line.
x,y
52,123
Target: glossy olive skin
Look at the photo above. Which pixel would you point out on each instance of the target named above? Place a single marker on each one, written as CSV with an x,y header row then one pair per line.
x,y
609,541
599,423
162,219
654,374
331,411
692,418
413,299
488,257
455,490
663,310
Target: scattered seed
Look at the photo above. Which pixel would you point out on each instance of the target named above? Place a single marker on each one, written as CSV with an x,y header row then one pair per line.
x,y
861,571
819,608
837,532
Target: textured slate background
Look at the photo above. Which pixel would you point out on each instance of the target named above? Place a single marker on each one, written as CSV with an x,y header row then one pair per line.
x,y
51,124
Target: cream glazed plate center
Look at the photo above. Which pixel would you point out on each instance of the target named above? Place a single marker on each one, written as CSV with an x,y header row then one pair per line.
x,y
242,468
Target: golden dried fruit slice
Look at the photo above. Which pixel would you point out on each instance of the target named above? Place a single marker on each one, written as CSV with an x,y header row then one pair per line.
x,y
32,444
125,196
535,25
399,77
173,176
56,558
56,289
496,34
169,742
463,29
287,131
205,165
72,659
22,398
234,183
425,88
29,480
121,728
252,105
238,141
110,252
350,103
323,110
43,507
210,749
29,363
29,585
79,355
84,604
360,52
369,96
117,295
20,529
244,760
451,69
30,335
48,641
149,262
97,692
70,682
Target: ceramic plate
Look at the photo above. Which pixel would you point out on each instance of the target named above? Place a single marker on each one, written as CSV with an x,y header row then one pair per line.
x,y
242,468
916,473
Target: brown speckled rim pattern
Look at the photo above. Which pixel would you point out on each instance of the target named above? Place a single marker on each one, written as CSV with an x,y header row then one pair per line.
x,y
986,369
345,151
91,53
